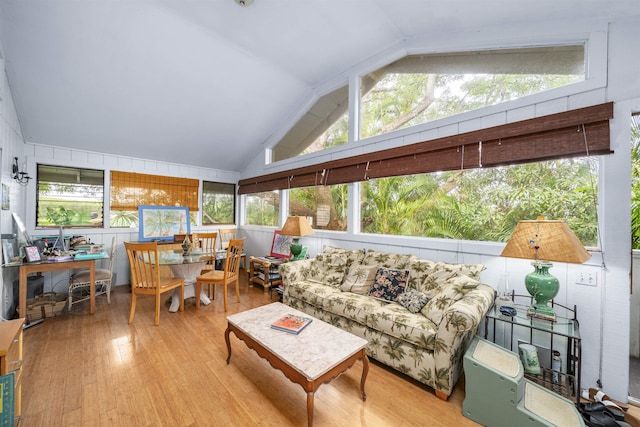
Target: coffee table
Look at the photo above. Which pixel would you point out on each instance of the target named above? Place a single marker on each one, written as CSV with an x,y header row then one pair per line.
x,y
317,355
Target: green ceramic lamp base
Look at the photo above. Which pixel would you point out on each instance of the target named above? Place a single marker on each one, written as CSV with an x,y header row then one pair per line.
x,y
543,287
295,247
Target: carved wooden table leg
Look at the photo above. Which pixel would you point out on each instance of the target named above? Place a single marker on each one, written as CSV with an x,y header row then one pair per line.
x,y
226,338
365,371
310,397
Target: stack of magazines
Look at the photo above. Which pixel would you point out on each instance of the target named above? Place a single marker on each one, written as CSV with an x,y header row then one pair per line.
x,y
291,323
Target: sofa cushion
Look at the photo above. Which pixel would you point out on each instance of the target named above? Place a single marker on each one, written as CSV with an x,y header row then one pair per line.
x,y
389,283
312,293
388,260
449,293
412,300
351,306
398,322
328,269
428,276
359,279
354,256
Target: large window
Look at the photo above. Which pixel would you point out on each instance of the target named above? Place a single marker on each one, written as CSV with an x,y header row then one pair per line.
x,y
71,197
635,180
263,208
218,203
484,204
324,126
325,205
130,189
419,88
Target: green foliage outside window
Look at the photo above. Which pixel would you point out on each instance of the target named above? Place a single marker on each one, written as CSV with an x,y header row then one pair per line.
x,y
71,197
263,208
218,203
326,205
483,204
635,181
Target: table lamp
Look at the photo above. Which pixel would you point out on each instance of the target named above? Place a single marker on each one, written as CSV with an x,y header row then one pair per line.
x,y
296,227
544,241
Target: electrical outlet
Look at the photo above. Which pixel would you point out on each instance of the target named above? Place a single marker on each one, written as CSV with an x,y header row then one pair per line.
x,y
587,279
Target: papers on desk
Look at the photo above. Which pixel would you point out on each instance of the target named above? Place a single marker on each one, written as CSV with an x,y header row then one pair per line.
x,y
87,255
60,258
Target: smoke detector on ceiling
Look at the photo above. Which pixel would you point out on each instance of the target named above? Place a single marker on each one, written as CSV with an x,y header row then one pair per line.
x,y
244,3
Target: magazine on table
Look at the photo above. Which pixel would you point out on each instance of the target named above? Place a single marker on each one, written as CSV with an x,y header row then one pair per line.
x,y
291,323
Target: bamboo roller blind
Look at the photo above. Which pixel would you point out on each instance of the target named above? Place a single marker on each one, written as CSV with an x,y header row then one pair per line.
x,y
574,133
130,189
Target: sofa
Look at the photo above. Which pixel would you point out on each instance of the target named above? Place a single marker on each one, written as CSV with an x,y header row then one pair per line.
x,y
418,316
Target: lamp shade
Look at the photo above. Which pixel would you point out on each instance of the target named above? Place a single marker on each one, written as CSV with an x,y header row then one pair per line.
x,y
296,226
548,240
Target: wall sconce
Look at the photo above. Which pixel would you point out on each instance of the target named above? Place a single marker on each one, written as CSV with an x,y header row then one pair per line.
x,y
21,176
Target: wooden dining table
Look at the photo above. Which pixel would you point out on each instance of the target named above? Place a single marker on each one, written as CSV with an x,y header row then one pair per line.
x,y
187,267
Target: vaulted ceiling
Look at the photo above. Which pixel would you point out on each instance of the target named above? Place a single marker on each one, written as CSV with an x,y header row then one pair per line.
x,y
207,82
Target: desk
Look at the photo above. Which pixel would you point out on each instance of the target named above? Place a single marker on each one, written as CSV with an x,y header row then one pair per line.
x,y
40,267
187,267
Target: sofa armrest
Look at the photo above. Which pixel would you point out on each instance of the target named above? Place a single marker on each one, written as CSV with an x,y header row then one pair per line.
x,y
459,324
294,271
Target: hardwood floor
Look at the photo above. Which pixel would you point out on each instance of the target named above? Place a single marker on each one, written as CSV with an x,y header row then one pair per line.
x,y
97,370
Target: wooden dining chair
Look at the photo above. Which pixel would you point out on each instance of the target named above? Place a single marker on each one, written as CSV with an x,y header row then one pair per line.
x,y
226,276
145,276
226,235
79,281
207,243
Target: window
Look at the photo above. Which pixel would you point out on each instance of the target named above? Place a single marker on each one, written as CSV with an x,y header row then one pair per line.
x,y
129,189
420,88
263,208
325,205
325,125
483,204
635,180
218,203
67,196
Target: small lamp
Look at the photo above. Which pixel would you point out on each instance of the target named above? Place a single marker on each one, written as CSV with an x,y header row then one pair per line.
x,y
544,241
296,226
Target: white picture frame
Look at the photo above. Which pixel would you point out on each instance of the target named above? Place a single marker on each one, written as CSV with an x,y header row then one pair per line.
x,y
8,250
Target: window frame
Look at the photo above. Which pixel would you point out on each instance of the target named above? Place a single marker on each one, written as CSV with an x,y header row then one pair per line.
x,y
69,169
233,195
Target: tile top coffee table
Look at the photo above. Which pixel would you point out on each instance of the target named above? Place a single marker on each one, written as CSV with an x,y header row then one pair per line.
x,y
318,354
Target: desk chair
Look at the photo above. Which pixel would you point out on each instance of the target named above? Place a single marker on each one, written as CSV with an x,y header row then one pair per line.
x,y
226,276
226,235
80,282
145,276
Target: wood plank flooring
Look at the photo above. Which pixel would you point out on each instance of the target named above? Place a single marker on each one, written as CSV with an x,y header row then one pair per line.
x,y
97,370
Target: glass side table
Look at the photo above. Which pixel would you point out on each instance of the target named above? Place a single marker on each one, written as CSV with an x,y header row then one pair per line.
x,y
558,343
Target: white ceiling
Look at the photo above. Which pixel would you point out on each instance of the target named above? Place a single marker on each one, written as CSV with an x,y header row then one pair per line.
x,y
206,82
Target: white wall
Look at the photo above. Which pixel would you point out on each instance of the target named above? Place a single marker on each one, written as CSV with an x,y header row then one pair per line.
x,y
23,197
12,145
43,154
614,75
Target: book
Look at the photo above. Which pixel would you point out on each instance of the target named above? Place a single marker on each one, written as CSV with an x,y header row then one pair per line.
x,y
291,323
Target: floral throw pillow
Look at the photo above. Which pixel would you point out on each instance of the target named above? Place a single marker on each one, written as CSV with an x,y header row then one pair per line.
x,y
389,283
412,300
